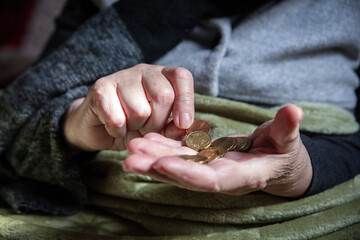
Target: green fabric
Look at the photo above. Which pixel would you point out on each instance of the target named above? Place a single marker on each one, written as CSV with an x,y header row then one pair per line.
x,y
130,206
318,117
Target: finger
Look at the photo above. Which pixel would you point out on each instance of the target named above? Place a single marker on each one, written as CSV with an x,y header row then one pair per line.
x,y
142,164
139,163
285,127
119,144
160,94
133,100
190,175
105,104
144,145
177,181
240,135
156,137
182,82
239,173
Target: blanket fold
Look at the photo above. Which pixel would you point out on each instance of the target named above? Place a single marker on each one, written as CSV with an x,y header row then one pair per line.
x,y
130,206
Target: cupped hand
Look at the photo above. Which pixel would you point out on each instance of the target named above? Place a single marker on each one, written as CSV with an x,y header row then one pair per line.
x,y
129,104
277,163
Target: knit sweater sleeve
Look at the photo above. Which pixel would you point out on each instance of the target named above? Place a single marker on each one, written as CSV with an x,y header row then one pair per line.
x,y
31,148
334,159
36,172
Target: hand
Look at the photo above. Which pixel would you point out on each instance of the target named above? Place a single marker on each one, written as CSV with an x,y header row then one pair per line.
x,y
129,104
277,163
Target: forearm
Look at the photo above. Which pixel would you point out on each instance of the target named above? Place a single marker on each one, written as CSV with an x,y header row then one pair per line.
x,y
31,146
83,59
31,107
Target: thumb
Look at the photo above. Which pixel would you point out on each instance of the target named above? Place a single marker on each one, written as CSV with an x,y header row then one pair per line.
x,y
182,82
284,129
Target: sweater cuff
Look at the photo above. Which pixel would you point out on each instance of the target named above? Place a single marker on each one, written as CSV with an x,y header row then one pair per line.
x,y
317,182
334,159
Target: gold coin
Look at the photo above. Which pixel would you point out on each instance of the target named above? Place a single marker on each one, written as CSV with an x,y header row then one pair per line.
x,y
198,140
226,143
193,158
212,153
199,125
243,144
248,144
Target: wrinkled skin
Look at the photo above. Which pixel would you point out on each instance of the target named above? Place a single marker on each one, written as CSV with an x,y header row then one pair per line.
x,y
277,163
129,104
130,108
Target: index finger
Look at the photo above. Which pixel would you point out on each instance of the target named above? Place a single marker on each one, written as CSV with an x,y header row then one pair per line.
x,y
183,108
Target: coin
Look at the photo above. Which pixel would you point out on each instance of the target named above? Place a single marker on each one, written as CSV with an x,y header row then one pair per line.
x,y
193,158
212,153
199,125
198,140
248,144
243,144
226,143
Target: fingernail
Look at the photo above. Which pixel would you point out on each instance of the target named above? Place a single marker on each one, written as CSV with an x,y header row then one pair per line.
x,y
185,120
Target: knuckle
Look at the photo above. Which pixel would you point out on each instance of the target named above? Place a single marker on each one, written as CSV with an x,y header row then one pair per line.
x,y
182,73
99,85
165,97
141,66
115,123
99,88
142,112
96,93
134,145
115,130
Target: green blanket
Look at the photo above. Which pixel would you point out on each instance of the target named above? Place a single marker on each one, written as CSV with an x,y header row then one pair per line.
x,y
131,206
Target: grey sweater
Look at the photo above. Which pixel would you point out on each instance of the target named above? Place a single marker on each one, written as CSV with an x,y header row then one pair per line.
x,y
37,173
289,52
36,170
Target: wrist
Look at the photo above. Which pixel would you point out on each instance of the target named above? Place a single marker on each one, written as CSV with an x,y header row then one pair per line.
x,y
71,126
295,177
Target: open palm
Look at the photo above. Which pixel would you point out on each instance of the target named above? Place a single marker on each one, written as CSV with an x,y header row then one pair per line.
x,y
277,163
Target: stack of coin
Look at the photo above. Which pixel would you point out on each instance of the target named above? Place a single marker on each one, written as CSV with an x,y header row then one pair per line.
x,y
198,138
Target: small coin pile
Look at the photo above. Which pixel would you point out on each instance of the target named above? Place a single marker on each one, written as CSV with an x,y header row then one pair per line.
x,y
198,138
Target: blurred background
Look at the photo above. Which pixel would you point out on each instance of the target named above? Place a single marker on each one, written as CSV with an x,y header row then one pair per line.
x,y
25,28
